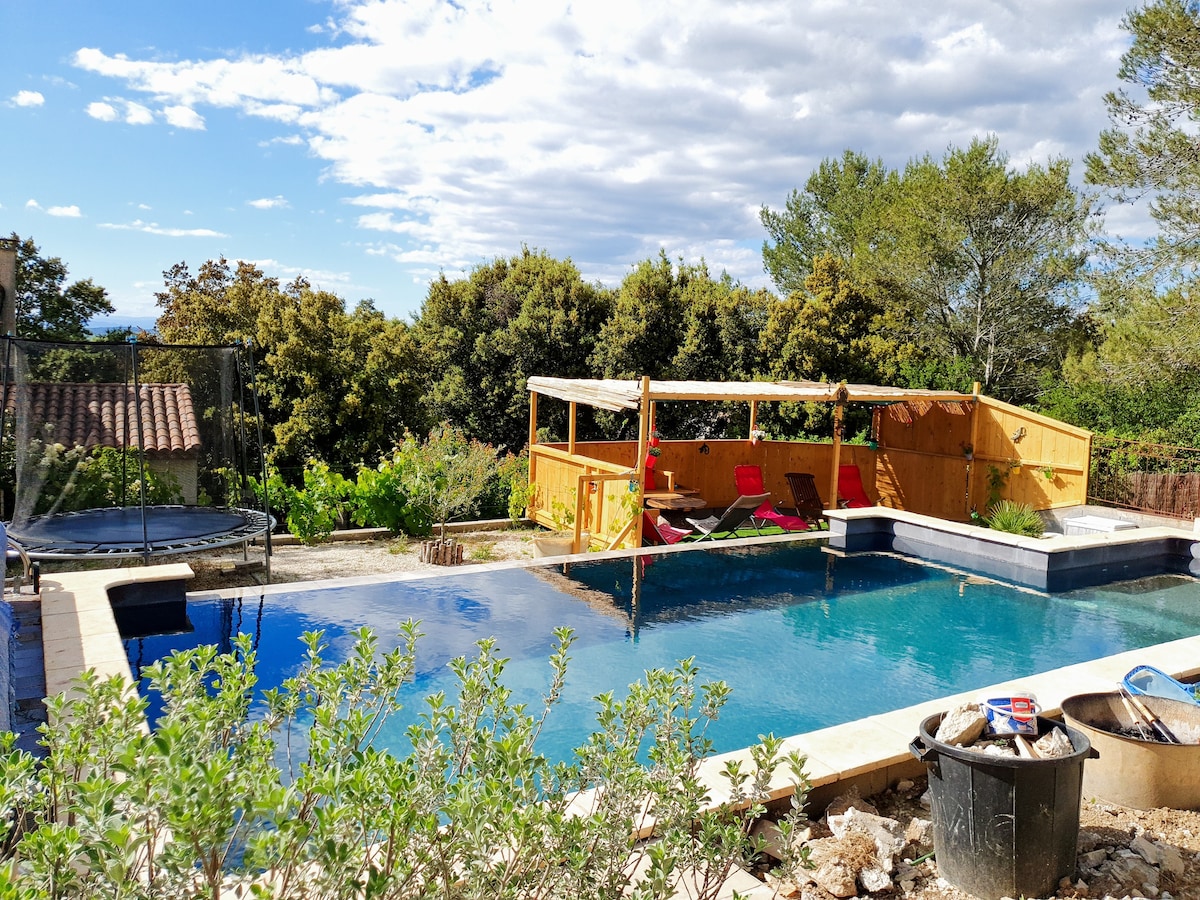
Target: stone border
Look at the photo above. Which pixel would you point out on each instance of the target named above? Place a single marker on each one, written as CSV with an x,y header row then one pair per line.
x,y
1051,563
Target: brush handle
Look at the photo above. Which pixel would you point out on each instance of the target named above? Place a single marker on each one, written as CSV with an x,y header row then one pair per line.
x,y
1155,722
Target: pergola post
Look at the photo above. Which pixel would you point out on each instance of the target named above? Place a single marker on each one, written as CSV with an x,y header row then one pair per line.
x,y
975,388
838,408
645,410
753,416
571,429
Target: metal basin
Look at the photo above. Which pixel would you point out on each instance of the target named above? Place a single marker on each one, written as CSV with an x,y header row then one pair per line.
x,y
1132,772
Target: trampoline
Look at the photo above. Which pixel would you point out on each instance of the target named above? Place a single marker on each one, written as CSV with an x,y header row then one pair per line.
x,y
128,449
119,531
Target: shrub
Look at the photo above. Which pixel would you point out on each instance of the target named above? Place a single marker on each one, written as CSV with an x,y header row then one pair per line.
x,y
473,811
1017,518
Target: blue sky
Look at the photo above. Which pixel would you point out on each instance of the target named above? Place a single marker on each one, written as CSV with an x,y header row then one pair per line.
x,y
370,144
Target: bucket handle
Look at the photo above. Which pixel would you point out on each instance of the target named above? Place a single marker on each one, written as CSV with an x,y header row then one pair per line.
x,y
927,755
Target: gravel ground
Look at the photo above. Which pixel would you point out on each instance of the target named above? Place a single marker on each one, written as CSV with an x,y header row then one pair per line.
x,y
1103,825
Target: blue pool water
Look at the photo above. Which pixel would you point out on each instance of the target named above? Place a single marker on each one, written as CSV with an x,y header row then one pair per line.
x,y
804,639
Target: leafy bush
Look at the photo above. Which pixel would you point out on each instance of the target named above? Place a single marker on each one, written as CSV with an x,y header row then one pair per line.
x,y
380,500
447,472
317,510
295,798
1016,518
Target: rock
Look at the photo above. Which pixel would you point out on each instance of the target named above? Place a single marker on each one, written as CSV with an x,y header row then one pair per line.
x,y
961,725
875,880
884,832
1147,850
994,749
1093,859
1053,744
1089,840
1171,860
849,800
919,832
1130,870
836,877
903,786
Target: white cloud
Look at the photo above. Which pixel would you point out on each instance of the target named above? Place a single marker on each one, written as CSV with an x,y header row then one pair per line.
x,y
105,112
136,114
155,228
605,131
28,98
276,202
66,212
183,117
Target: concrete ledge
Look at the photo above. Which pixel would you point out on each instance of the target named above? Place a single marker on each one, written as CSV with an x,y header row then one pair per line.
x,y
78,627
1054,563
379,534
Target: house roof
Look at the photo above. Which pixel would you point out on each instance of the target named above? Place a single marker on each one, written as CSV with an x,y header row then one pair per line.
x,y
96,415
615,395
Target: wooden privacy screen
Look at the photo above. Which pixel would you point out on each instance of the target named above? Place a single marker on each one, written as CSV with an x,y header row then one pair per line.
x,y
922,465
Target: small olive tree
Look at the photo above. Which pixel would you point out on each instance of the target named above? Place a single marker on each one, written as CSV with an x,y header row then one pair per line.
x,y
447,472
291,798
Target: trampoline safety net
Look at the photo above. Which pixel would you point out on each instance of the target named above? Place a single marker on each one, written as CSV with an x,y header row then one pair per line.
x,y
130,449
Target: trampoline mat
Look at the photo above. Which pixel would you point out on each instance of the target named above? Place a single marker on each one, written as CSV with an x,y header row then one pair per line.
x,y
118,531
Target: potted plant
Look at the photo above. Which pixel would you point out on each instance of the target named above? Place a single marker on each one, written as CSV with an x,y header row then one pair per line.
x,y
561,540
968,450
652,455
756,435
1014,466
1048,472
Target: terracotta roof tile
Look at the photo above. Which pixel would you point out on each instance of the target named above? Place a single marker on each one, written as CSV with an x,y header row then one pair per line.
x,y
90,415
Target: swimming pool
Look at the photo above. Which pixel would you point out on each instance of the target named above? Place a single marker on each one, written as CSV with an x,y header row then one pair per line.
x,y
805,639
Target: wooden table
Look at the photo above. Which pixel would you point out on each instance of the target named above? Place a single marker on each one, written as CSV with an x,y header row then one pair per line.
x,y
680,498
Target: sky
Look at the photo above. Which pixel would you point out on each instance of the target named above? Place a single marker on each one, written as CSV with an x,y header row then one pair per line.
x,y
370,145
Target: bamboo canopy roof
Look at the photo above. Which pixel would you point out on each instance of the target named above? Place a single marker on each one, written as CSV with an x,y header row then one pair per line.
x,y
613,394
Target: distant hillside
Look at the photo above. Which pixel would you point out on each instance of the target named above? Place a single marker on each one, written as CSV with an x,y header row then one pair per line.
x,y
102,325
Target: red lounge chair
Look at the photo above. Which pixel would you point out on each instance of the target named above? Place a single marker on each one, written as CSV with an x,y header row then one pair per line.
x,y
749,480
851,493
660,532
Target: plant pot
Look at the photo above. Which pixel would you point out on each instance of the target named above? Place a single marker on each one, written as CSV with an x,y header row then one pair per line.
x,y
554,545
1130,771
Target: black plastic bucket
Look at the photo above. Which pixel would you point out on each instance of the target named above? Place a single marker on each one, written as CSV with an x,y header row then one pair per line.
x,y
1003,826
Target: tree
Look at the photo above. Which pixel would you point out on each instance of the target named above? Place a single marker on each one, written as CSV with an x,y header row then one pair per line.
x,y
47,308
480,338
1151,149
838,213
988,262
830,332
335,386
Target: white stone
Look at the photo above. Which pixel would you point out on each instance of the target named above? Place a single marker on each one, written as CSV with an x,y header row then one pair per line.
x,y
961,725
837,878
875,880
904,785
847,801
886,834
1093,858
1054,744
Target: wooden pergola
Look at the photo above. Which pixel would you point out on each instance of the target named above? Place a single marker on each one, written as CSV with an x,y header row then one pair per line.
x,y
644,394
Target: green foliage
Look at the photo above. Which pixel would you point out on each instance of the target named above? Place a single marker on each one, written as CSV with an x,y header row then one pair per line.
x,y
380,499
840,213
997,479
46,309
1015,518
1151,148
295,799
481,337
71,478
446,473
968,259
318,509
333,385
